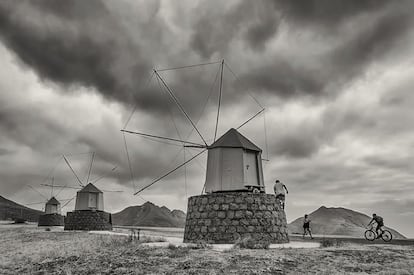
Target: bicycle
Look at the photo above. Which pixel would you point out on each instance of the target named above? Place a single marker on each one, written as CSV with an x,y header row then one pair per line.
x,y
372,235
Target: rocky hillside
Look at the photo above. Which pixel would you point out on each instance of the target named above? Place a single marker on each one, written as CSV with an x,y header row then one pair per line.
x,y
149,214
9,210
337,221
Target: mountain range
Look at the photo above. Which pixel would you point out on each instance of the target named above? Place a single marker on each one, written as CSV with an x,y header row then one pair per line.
x,y
324,220
149,214
337,221
9,210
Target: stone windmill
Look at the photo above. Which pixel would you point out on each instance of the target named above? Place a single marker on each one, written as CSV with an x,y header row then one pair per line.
x,y
52,208
89,211
235,204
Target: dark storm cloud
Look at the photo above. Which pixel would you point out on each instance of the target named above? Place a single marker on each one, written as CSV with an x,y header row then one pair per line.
x,y
377,37
327,14
20,126
378,26
4,151
215,29
75,43
83,43
397,163
299,142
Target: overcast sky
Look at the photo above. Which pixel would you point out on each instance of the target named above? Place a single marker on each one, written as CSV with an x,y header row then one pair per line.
x,y
334,76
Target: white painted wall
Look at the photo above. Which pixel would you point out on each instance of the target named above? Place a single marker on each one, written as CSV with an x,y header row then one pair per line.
x,y
52,209
89,201
232,169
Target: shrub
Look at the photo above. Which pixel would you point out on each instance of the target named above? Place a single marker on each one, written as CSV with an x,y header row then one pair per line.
x,y
200,245
114,241
331,242
172,246
47,229
147,239
250,243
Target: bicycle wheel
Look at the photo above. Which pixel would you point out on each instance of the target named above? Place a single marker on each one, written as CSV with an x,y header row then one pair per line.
x,y
370,235
386,236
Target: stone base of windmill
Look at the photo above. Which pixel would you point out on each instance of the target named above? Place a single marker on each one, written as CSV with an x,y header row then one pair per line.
x,y
88,220
51,220
232,216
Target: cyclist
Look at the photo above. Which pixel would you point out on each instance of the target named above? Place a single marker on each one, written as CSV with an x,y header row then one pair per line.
x,y
380,223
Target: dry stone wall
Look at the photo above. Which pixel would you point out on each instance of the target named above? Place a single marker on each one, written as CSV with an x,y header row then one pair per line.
x,y
51,220
228,217
88,220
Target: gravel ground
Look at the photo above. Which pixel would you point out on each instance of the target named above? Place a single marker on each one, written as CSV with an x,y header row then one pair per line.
x,y
30,250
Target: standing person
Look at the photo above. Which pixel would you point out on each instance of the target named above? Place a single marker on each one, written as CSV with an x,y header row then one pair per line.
x,y
279,189
306,226
380,223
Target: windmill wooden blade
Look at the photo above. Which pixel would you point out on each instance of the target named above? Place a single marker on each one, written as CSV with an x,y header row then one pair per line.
x,y
177,102
90,167
63,186
34,203
37,191
68,202
73,171
160,137
103,176
165,175
247,121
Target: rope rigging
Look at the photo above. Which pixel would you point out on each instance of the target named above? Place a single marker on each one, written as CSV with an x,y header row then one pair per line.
x,y
177,102
129,162
160,137
73,171
183,142
219,99
188,66
136,105
170,172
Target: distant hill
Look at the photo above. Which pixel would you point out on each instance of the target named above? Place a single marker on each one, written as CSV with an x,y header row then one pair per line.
x,y
9,210
337,221
149,214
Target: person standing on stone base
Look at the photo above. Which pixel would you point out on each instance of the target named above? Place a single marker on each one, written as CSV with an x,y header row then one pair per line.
x,y
280,193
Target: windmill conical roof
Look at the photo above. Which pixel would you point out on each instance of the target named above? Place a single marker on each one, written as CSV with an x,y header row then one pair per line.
x,y
90,188
233,139
53,200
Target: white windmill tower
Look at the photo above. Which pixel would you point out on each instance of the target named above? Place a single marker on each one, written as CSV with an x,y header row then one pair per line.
x,y
234,184
89,211
52,207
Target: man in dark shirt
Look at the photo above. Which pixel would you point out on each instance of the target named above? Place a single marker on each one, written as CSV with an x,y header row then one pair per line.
x,y
306,226
380,223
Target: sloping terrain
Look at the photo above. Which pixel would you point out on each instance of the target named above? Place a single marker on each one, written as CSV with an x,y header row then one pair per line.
x,y
32,250
149,214
337,221
9,210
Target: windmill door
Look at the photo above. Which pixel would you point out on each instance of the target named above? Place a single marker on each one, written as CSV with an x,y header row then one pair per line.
x,y
232,173
53,209
92,203
251,176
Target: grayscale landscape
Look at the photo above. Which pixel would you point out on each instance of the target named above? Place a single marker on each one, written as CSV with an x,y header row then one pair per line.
x,y
206,137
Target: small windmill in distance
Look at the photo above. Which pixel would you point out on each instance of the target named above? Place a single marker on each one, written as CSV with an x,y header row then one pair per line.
x,y
89,207
52,207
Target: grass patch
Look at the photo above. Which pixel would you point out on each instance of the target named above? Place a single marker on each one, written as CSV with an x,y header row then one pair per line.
x,y
200,245
148,239
250,243
331,243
